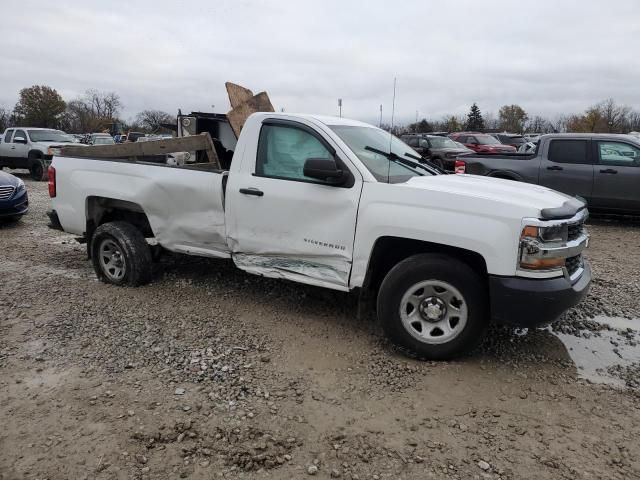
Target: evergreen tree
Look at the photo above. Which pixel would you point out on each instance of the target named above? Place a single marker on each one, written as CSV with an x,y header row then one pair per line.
x,y
474,119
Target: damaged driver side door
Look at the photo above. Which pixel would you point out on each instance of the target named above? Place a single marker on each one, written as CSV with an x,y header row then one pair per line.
x,y
294,215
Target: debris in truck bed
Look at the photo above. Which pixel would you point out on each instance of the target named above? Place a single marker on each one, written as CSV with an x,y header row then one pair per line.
x,y
243,104
143,149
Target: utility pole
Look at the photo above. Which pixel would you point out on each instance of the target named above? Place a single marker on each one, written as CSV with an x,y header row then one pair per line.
x,y
415,125
380,124
340,107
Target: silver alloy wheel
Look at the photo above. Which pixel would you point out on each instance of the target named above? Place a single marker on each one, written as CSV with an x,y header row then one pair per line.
x,y
112,260
433,311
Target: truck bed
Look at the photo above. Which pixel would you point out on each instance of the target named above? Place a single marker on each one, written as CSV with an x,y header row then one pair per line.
x,y
184,205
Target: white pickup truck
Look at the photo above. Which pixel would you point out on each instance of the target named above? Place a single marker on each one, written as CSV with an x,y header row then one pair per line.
x,y
28,148
341,204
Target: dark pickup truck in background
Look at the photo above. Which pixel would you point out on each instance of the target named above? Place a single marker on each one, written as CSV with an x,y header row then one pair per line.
x,y
604,169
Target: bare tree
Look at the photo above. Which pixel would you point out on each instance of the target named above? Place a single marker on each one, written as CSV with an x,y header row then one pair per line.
x,y
92,112
103,104
5,119
152,120
490,121
614,116
539,124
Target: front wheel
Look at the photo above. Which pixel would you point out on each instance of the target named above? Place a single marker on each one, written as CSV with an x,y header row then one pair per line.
x,y
433,306
120,254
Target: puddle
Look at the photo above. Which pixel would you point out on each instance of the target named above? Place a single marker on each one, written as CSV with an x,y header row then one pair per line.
x,y
617,345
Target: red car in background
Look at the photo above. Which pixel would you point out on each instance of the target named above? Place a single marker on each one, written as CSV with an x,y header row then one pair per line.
x,y
481,142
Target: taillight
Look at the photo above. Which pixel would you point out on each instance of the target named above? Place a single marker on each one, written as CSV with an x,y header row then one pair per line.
x,y
460,166
52,181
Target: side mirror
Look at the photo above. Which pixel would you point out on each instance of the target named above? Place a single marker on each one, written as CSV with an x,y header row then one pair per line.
x,y
19,140
324,169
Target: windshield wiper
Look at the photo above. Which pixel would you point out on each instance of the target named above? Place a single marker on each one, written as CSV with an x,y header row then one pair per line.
x,y
395,158
428,162
398,159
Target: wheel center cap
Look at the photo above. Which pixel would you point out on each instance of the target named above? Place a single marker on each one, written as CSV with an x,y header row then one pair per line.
x,y
433,309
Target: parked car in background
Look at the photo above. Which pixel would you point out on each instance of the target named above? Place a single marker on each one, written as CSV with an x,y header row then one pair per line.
x,y
604,169
133,136
528,147
28,148
14,201
481,142
441,151
513,139
100,139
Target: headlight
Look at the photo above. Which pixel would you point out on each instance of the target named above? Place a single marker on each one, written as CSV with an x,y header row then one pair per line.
x,y
553,233
20,186
541,247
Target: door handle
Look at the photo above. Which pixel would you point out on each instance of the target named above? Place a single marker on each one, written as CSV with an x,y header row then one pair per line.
x,y
252,191
609,170
555,167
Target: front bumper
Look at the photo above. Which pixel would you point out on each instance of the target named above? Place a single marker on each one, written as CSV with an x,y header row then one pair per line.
x,y
17,205
528,302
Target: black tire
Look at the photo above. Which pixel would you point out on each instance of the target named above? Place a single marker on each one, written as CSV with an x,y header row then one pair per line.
x,y
438,162
37,168
441,268
133,250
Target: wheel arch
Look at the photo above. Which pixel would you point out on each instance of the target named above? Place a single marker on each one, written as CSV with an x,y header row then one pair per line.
x,y
506,175
35,153
388,251
100,210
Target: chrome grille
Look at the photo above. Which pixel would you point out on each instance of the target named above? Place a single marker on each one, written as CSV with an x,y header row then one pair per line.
x,y
6,191
575,230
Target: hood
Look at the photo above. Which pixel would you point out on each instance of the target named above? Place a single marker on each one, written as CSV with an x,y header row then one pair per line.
x,y
8,179
487,192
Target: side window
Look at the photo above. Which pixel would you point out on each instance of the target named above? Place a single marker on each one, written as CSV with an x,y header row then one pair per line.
x,y
424,143
283,150
461,139
471,140
7,137
568,151
620,154
20,133
413,142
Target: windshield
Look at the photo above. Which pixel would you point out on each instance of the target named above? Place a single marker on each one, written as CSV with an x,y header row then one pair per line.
x,y
49,136
487,140
442,142
103,141
383,169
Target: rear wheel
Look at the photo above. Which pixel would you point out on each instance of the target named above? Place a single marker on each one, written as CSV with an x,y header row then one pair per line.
x,y
120,254
438,162
36,168
433,306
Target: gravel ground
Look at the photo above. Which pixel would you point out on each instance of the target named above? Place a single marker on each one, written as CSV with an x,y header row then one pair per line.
x,y
212,373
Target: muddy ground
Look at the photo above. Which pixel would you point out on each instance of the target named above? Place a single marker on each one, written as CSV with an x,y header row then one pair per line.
x,y
212,373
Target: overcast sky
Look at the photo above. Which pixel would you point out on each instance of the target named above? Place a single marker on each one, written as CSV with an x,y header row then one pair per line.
x,y
549,56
